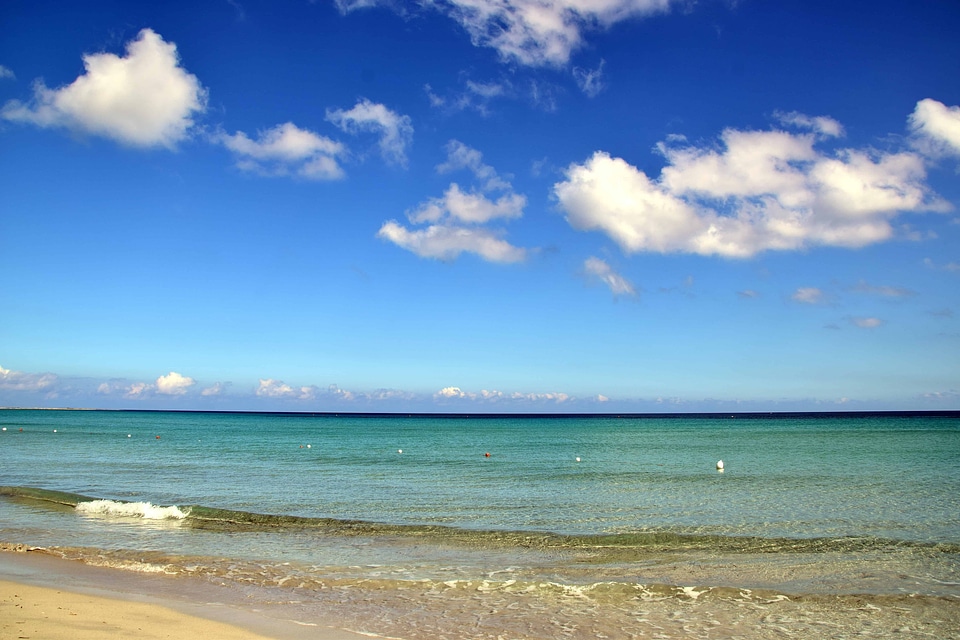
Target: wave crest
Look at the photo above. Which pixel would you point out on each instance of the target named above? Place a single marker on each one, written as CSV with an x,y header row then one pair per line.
x,y
145,510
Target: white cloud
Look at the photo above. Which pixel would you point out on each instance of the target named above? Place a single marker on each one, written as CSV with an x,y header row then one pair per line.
x,y
540,32
455,220
590,81
470,208
174,384
824,125
485,395
460,156
808,295
530,32
6,73
138,390
447,242
216,389
144,99
475,95
450,392
284,150
396,131
597,268
866,323
270,388
757,191
20,381
936,127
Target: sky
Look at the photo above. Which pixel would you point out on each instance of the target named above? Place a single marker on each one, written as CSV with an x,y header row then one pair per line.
x,y
480,205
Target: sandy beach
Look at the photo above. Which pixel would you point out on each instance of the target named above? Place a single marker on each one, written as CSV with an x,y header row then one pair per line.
x,y
44,598
54,614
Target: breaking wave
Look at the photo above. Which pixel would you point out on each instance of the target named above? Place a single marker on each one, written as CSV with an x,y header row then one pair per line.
x,y
145,510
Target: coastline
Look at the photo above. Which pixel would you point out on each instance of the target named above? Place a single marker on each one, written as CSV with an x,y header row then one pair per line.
x,y
42,596
159,605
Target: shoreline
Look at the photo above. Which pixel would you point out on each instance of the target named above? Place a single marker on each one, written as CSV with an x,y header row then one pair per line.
x,y
80,595
46,597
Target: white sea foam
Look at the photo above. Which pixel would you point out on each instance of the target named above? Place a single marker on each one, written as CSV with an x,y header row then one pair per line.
x,y
144,510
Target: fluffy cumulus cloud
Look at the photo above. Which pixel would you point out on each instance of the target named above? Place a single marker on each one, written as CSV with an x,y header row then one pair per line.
x,y
171,384
20,381
395,130
174,384
755,191
936,127
459,221
143,99
286,149
600,270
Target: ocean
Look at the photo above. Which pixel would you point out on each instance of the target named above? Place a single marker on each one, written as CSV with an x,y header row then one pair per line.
x,y
511,526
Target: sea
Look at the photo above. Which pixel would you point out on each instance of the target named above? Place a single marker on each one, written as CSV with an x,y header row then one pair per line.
x,y
831,525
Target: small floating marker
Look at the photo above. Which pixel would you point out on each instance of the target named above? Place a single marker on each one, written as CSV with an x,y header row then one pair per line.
x,y
578,458
399,450
54,430
4,428
719,465
486,455
128,435
158,437
308,446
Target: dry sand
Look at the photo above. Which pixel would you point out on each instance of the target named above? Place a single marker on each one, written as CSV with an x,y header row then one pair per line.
x,y
45,598
53,614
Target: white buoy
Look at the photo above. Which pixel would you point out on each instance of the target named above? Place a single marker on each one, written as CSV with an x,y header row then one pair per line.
x,y
54,430
128,435
719,465
4,428
578,458
308,446
399,450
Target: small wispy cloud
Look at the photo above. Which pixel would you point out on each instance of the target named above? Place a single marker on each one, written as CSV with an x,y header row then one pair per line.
x,y
809,295
882,290
866,323
395,130
600,270
590,81
953,267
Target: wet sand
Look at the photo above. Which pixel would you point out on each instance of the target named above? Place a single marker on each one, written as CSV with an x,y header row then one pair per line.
x,y
69,601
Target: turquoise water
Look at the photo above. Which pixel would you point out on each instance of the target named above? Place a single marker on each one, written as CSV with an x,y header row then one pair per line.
x,y
891,477
569,521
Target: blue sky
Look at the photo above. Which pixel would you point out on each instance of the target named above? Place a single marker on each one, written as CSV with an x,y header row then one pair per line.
x,y
480,205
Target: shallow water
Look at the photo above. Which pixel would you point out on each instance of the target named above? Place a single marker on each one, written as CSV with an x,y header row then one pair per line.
x,y
641,537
